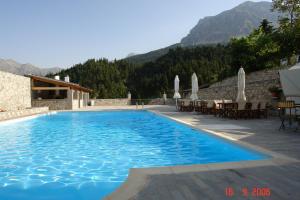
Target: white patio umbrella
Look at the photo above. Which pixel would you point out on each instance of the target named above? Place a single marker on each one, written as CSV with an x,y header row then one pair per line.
x,y
176,89
195,87
241,97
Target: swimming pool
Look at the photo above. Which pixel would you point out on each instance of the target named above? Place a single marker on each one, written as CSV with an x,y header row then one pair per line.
x,y
87,155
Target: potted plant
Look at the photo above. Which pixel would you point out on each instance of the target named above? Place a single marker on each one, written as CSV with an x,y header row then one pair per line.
x,y
275,91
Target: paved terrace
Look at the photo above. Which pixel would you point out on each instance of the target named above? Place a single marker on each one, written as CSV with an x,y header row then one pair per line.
x,y
281,174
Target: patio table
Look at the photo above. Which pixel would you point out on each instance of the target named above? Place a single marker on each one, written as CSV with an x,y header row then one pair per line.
x,y
283,107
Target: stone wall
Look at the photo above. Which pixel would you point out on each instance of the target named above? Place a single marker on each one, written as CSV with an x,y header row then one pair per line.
x,y
53,104
22,113
257,85
112,102
15,92
161,101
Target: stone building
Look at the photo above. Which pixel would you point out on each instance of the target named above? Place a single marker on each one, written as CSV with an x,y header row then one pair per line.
x,y
57,94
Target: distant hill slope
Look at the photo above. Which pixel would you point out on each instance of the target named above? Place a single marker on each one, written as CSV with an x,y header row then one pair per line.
x,y
150,56
239,21
9,65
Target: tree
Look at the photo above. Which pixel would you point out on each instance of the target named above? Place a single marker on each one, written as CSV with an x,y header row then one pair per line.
x,y
292,7
266,27
288,31
297,36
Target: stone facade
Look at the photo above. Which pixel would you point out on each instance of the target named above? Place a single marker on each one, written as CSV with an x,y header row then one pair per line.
x,y
257,87
22,113
15,92
53,104
112,102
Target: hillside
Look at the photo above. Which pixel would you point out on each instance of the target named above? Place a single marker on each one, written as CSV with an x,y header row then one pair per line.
x,y
150,56
239,21
9,65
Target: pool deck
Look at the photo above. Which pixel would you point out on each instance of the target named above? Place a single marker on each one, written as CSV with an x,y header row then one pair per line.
x,y
279,175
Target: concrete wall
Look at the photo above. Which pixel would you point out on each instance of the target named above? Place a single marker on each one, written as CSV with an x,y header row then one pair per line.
x,y
257,87
15,92
53,104
112,102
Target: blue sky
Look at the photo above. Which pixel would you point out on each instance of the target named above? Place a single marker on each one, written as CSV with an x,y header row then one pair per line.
x,y
60,33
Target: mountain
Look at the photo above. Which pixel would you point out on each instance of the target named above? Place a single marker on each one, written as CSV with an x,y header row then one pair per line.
x,y
239,21
9,65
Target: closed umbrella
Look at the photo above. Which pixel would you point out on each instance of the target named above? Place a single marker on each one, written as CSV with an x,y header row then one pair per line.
x,y
176,89
195,87
241,97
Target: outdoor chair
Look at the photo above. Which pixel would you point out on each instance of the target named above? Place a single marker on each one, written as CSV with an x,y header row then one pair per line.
x,y
179,105
209,107
217,107
263,110
241,110
197,105
255,110
186,105
226,107
203,108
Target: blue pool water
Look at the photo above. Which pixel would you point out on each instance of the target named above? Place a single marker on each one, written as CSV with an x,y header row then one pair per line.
x,y
87,155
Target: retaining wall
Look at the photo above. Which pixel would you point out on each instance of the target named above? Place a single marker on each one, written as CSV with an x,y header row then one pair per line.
x,y
111,102
257,87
